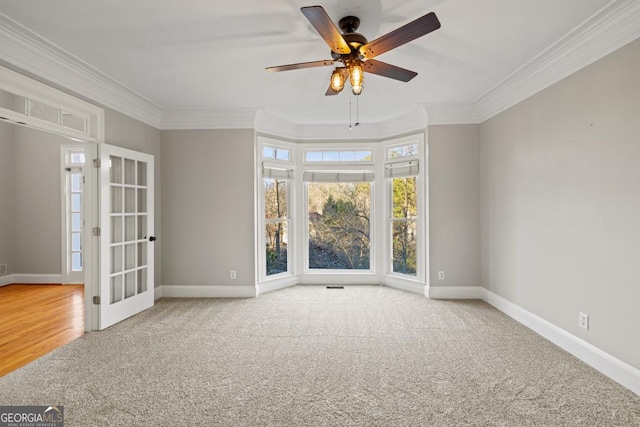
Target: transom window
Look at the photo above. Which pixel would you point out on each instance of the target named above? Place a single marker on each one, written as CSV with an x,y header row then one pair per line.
x,y
276,153
409,150
319,156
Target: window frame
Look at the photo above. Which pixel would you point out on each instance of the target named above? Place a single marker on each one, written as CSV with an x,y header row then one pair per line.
x,y
336,166
70,276
422,264
380,241
372,257
261,220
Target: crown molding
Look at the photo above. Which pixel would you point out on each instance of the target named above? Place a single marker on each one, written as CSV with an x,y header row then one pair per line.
x,y
607,30
30,52
221,118
268,124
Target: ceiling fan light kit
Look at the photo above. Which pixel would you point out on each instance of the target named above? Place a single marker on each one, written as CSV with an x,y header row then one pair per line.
x,y
356,53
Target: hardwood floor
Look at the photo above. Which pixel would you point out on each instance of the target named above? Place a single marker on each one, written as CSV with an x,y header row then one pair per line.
x,y
36,319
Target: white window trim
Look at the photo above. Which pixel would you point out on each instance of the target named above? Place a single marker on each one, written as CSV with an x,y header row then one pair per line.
x,y
65,154
380,234
422,236
285,165
32,90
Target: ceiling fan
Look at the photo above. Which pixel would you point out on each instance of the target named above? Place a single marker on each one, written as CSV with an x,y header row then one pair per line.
x,y
356,53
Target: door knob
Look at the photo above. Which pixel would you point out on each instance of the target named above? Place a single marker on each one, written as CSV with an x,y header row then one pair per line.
x,y
152,239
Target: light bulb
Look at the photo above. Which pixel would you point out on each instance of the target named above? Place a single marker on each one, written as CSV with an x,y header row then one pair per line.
x,y
337,81
356,77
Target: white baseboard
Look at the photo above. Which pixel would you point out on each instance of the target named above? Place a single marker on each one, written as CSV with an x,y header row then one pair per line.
x,y
157,293
6,280
188,291
610,366
456,292
37,279
404,285
276,284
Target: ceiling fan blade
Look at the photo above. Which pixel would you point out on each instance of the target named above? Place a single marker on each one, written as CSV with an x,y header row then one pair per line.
x,y
326,28
301,65
400,36
388,70
330,91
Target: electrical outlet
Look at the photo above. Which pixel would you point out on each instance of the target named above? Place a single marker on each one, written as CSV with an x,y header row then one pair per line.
x,y
233,275
583,321
3,269
440,275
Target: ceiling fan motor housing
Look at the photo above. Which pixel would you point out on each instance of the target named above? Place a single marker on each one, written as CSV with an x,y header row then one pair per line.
x,y
349,24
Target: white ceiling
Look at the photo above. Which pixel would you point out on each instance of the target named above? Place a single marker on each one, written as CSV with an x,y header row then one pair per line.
x,y
211,55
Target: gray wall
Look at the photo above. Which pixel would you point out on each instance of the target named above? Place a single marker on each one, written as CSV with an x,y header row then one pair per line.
x,y
37,201
454,204
123,131
561,207
30,214
207,207
6,196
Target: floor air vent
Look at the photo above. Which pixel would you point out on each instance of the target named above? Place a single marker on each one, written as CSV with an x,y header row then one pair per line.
x,y
335,287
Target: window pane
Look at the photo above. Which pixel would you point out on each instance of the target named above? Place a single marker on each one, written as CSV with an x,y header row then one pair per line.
x,y
409,150
76,261
142,173
13,102
404,247
282,154
404,197
115,170
77,158
76,242
313,156
330,156
76,202
44,112
363,156
75,222
269,152
275,198
74,122
347,156
339,225
395,152
76,182
129,171
277,241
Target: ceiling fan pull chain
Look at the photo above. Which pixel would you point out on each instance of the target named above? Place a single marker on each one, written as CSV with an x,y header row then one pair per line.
x,y
350,96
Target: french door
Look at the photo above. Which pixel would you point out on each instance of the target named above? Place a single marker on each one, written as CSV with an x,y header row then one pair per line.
x,y
126,233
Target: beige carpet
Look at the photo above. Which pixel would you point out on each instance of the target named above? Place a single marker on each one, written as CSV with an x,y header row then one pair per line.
x,y
311,356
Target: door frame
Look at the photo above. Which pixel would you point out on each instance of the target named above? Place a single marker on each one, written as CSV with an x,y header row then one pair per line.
x,y
91,243
89,128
